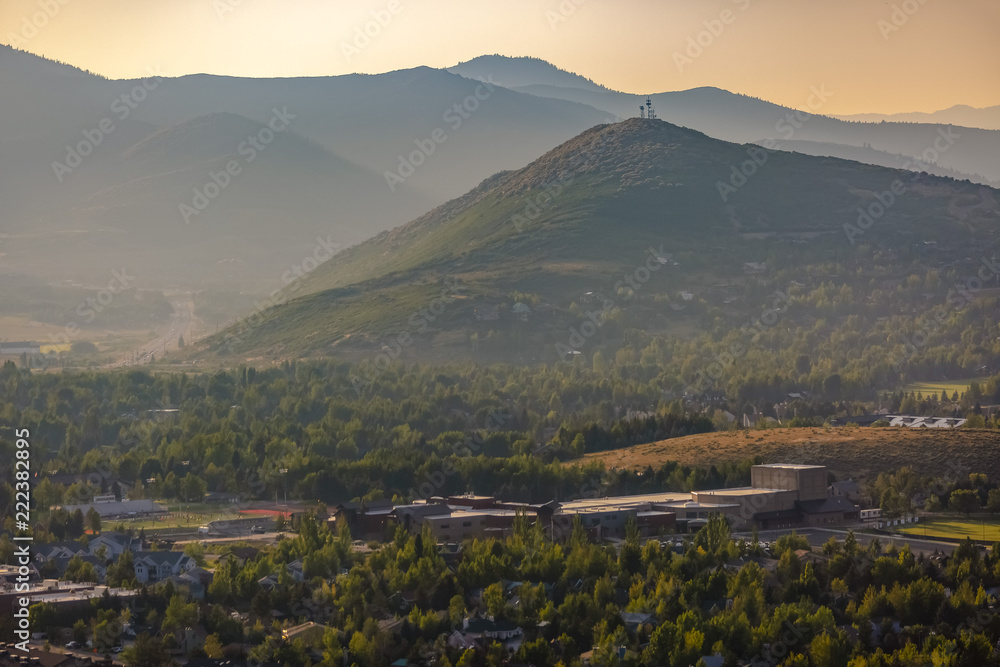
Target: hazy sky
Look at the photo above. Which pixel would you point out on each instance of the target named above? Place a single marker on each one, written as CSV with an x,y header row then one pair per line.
x,y
925,55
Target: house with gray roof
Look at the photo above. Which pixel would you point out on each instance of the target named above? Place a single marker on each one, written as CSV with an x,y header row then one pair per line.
x,y
153,566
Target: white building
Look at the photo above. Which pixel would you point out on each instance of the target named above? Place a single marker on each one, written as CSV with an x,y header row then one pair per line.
x,y
153,566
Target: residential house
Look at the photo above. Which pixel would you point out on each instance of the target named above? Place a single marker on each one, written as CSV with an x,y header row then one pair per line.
x,y
114,544
489,630
61,564
310,633
46,552
809,556
633,621
242,554
717,660
273,580
848,489
190,639
11,657
196,580
151,566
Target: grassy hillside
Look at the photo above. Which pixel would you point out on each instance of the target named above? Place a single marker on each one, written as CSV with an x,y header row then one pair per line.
x,y
643,199
861,453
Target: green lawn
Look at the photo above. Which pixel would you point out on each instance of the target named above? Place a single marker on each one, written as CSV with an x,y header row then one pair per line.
x,y
179,519
951,386
957,527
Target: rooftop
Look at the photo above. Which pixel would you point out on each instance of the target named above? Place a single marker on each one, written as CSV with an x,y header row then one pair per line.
x,y
790,466
625,501
741,491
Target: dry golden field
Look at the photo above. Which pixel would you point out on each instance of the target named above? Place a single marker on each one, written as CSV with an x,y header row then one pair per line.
x,y
861,453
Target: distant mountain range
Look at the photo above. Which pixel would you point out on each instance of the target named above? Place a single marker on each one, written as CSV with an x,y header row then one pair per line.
x,y
987,118
632,221
360,154
324,176
724,115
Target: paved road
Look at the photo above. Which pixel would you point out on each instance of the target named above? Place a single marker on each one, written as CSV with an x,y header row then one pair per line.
x,y
214,539
261,537
181,324
818,536
84,654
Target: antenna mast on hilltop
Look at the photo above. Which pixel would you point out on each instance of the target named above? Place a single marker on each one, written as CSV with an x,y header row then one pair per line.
x,y
650,111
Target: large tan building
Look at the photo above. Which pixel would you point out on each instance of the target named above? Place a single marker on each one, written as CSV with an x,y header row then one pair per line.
x,y
781,495
809,482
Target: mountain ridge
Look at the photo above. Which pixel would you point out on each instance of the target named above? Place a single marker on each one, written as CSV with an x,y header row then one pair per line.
x,y
615,197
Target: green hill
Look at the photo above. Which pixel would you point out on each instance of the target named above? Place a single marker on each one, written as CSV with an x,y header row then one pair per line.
x,y
645,225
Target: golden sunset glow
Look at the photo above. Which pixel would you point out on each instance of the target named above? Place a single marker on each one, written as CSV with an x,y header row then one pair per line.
x,y
918,55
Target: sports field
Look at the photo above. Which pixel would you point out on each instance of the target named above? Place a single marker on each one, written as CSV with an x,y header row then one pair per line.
x,y
985,527
950,386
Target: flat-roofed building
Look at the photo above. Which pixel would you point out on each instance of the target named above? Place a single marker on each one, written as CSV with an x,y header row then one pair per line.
x,y
461,525
636,501
17,348
808,480
471,501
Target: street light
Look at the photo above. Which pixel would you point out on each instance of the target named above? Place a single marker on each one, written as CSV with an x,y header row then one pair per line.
x,y
284,484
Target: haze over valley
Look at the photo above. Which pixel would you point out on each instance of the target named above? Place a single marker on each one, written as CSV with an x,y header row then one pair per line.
x,y
538,333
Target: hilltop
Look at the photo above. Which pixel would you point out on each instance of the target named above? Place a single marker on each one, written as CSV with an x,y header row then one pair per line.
x,y
663,204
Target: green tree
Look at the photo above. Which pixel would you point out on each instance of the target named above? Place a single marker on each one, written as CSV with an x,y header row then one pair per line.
x,y
147,651
993,501
94,521
80,631
495,600
965,501
179,614
213,646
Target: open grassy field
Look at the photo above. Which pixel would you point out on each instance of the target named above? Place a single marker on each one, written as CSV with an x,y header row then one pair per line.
x,y
950,386
184,519
53,337
861,453
19,327
978,527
